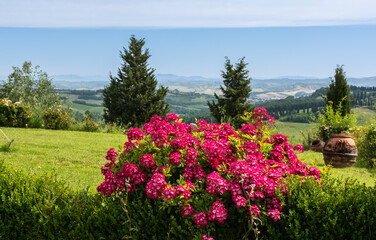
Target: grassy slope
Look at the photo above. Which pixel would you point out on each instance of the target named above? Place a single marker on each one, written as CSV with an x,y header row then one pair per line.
x,y
292,130
75,156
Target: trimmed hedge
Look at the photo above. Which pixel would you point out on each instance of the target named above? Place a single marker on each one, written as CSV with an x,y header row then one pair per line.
x,y
339,209
33,207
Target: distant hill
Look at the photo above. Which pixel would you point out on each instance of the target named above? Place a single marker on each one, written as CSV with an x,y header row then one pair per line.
x,y
262,89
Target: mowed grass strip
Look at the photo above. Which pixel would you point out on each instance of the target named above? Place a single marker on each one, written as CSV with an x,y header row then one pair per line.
x,y
75,157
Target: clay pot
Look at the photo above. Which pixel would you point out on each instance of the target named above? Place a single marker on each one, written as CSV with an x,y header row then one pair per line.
x,y
340,151
316,145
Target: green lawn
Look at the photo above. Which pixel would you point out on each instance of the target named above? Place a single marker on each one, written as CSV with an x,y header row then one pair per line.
x,y
75,157
363,175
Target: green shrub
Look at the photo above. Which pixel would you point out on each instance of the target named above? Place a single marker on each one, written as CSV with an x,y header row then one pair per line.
x,y
90,125
35,121
56,119
14,114
333,122
337,209
43,207
365,138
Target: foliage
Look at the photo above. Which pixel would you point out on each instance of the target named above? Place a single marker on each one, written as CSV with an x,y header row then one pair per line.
x,y
365,138
333,122
89,123
14,114
308,137
132,98
231,107
212,173
335,209
56,118
32,86
338,93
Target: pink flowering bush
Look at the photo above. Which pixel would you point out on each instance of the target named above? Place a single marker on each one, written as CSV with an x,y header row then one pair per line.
x,y
210,172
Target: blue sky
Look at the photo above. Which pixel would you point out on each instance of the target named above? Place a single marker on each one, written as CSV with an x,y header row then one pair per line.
x,y
191,38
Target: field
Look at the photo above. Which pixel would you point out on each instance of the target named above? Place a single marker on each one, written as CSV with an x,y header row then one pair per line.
x,y
181,103
76,157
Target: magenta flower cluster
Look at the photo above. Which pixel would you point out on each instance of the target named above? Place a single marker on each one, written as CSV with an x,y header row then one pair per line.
x,y
172,161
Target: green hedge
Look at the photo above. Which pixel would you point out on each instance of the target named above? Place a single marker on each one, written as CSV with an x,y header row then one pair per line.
x,y
342,209
33,207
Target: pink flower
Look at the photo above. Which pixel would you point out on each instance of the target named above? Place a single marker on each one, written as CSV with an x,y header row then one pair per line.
x,y
111,155
135,134
172,117
204,237
216,184
218,212
235,188
279,139
200,219
174,159
299,148
274,214
239,200
247,129
179,143
147,161
128,146
186,210
191,157
156,186
254,211
169,193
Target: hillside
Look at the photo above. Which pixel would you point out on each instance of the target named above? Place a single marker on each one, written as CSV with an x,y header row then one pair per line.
x,y
262,89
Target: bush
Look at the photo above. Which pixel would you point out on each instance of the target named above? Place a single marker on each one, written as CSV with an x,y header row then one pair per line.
x,y
365,138
335,209
333,122
14,114
90,125
209,180
35,121
56,119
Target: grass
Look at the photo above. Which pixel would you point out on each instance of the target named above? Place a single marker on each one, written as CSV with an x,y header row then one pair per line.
x,y
292,130
363,175
75,157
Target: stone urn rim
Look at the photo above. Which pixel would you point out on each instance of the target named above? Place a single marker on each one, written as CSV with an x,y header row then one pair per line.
x,y
340,135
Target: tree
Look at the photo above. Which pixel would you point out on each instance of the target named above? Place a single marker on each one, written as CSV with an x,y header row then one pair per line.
x,y
32,86
236,91
339,92
131,99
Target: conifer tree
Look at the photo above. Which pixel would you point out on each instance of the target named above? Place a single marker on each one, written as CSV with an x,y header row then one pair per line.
x,y
231,107
132,99
339,92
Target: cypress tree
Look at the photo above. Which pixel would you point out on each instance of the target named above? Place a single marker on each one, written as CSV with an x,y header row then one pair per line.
x,y
231,107
132,99
339,92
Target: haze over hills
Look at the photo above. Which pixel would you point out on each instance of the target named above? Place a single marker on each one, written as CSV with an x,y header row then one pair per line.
x,y
262,89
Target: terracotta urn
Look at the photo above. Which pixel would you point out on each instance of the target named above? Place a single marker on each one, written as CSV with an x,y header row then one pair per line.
x,y
316,145
340,151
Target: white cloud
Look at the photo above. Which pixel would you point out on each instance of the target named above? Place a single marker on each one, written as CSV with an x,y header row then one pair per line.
x,y
185,13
